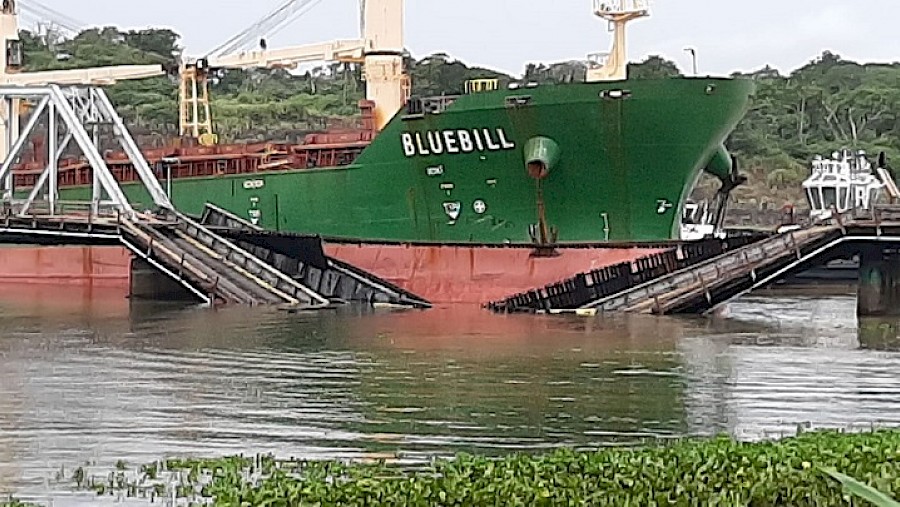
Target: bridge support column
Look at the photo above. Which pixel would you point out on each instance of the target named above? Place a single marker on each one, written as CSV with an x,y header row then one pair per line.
x,y
148,283
879,283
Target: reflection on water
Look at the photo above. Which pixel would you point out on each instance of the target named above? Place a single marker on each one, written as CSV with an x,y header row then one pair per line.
x,y
879,334
811,364
102,381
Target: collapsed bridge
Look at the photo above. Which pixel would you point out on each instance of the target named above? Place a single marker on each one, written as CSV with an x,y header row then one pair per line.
x,y
219,259
699,277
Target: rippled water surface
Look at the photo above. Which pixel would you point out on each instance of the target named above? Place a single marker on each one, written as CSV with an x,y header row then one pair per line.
x,y
88,378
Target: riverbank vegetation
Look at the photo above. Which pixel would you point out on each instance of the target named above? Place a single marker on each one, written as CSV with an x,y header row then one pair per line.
x,y
799,471
828,104
13,502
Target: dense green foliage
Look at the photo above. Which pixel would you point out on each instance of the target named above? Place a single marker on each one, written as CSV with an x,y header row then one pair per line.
x,y
822,107
12,502
246,104
863,491
826,105
716,472
147,102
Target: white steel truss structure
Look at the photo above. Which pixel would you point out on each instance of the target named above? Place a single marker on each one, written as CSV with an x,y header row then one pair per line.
x,y
85,116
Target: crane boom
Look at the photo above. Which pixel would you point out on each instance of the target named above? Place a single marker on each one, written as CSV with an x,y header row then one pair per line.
x,y
41,11
95,76
343,51
380,51
268,25
11,61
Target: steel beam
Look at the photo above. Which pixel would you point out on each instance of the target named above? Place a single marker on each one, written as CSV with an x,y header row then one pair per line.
x,y
53,158
131,148
82,111
76,127
45,175
6,168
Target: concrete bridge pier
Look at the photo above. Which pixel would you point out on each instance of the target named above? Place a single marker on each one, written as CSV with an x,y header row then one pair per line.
x,y
879,282
147,282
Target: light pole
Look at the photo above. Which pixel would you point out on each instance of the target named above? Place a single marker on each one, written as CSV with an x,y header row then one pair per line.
x,y
693,53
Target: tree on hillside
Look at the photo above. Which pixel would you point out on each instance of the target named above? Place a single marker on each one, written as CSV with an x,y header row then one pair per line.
x,y
826,105
654,67
438,74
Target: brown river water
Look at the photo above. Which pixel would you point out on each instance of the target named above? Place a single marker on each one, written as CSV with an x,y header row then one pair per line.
x,y
87,378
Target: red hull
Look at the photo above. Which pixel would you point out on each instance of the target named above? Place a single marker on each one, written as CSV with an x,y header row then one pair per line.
x,y
473,275
102,267
476,275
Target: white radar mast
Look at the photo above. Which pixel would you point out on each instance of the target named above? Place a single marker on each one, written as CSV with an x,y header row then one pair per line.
x,y
618,13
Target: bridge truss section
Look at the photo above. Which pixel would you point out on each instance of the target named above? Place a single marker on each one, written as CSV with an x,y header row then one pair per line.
x,y
78,122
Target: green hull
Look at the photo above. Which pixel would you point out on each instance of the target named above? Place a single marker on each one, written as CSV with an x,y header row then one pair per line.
x,y
620,168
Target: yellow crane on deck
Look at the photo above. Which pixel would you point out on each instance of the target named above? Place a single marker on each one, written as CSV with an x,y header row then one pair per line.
x,y
380,51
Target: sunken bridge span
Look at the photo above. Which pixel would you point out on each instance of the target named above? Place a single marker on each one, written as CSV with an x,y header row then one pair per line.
x,y
698,277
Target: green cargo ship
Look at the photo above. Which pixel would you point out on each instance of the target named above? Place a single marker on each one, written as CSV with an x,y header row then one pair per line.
x,y
608,160
604,162
620,161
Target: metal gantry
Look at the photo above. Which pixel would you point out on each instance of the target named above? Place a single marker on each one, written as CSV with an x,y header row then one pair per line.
x,y
85,116
379,49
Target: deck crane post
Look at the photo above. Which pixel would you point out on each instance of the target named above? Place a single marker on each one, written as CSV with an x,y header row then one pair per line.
x,y
380,51
618,13
11,63
387,83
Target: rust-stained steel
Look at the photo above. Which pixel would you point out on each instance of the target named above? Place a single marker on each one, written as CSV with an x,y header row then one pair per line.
x,y
581,289
701,284
320,150
477,274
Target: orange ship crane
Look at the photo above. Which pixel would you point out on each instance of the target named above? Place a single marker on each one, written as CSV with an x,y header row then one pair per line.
x,y
380,50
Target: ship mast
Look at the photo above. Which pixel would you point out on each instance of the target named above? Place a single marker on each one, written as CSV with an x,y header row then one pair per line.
x,y
387,83
617,13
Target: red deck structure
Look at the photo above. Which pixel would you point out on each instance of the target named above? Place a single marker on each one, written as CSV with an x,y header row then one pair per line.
x,y
332,148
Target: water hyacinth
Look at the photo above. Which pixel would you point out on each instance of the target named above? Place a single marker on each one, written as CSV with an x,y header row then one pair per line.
x,y
721,472
13,502
863,491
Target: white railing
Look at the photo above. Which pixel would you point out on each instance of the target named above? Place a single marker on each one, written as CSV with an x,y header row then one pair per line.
x,y
620,6
597,59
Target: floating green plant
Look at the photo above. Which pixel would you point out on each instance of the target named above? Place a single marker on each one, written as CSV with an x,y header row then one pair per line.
x,y
13,502
863,491
691,472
